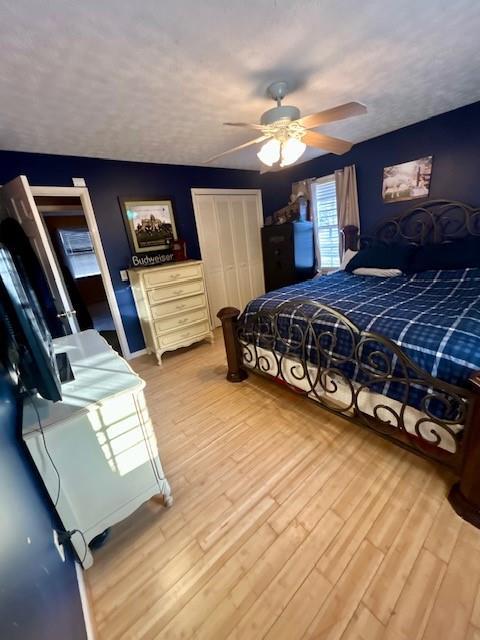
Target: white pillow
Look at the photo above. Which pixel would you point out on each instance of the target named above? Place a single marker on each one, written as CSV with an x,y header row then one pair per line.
x,y
347,256
380,273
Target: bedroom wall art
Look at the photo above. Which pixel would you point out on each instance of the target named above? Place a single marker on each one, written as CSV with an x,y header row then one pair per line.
x,y
407,181
151,230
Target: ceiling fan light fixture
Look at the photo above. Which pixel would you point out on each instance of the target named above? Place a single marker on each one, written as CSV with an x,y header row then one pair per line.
x,y
269,154
285,131
292,149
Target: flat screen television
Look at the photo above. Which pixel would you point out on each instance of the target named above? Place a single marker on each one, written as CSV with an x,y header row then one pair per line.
x,y
26,341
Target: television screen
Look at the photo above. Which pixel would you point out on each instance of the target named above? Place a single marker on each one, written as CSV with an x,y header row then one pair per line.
x,y
28,343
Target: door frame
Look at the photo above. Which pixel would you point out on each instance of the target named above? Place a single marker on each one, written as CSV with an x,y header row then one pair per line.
x,y
225,192
83,194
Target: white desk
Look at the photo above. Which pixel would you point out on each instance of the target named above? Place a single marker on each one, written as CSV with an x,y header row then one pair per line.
x,y
100,438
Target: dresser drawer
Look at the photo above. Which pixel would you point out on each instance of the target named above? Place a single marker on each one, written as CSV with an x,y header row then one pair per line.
x,y
183,334
184,319
165,275
176,306
174,291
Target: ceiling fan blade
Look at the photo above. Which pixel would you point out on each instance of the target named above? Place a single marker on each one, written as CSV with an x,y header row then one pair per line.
x,y
266,169
240,146
327,143
249,125
341,112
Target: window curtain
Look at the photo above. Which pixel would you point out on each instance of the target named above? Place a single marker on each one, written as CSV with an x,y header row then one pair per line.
x,y
316,244
347,199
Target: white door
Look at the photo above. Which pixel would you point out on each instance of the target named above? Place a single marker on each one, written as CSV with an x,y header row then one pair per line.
x,y
21,205
212,261
228,225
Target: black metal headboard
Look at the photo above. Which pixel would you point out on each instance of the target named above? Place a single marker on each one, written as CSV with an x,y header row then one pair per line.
x,y
433,221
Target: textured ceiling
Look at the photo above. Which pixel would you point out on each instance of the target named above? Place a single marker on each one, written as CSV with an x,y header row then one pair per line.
x,y
153,80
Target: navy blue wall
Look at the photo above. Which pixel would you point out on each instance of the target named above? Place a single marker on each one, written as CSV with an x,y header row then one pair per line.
x,y
106,181
452,138
39,597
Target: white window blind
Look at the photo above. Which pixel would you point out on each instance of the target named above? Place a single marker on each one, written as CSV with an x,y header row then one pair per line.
x,y
79,252
325,208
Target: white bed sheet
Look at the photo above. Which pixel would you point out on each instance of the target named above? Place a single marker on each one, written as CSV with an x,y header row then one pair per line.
x,y
367,400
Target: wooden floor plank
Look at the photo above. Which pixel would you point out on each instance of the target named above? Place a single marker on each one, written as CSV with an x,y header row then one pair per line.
x,y
333,618
299,612
273,599
156,606
243,595
417,598
390,579
444,532
349,538
454,604
288,522
186,623
364,626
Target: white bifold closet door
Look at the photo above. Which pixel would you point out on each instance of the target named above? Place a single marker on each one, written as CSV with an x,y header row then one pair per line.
x,y
229,234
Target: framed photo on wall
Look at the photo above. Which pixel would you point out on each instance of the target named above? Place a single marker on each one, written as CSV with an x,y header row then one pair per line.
x,y
150,224
407,181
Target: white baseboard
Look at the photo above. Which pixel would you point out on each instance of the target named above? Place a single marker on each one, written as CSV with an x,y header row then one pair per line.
x,y
87,614
136,354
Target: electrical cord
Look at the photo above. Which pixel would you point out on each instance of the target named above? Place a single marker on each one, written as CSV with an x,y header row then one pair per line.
x,y
40,426
66,536
63,536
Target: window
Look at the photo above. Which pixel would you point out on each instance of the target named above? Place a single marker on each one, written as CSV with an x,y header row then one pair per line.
x,y
325,210
78,247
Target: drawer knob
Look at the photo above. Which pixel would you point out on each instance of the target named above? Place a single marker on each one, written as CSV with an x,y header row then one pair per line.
x,y
183,321
178,292
173,276
180,306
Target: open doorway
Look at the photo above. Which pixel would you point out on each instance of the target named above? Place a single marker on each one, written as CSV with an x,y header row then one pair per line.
x,y
74,251
20,202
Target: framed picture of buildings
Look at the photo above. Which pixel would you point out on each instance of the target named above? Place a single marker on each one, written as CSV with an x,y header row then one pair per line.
x,y
150,224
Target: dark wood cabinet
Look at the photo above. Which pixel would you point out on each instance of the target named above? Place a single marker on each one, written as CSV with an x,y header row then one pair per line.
x,y
288,254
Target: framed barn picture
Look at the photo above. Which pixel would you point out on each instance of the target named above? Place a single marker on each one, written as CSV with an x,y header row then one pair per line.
x,y
150,224
407,181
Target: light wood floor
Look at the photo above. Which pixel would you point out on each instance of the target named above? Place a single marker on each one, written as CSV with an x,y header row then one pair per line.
x,y
288,523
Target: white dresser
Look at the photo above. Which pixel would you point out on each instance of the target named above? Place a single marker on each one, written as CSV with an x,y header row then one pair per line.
x,y
172,305
99,439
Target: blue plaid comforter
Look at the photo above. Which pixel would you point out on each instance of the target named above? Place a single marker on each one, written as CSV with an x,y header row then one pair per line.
x,y
433,316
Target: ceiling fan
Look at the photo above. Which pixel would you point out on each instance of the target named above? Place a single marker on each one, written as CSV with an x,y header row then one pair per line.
x,y
288,135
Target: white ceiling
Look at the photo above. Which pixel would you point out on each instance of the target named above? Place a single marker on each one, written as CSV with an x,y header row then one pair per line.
x,y
153,80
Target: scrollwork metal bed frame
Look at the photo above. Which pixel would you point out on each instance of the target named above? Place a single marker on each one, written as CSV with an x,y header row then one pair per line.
x,y
379,360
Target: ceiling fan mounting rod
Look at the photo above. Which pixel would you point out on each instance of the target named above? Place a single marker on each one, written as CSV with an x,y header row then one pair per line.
x,y
277,91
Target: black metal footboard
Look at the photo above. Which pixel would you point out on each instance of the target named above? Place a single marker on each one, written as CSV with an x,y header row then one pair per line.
x,y
364,376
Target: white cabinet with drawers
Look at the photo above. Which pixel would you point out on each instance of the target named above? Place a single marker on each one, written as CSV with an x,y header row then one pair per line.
x,y
172,305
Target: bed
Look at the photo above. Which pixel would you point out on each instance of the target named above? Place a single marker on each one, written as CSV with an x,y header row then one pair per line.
x,y
399,355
